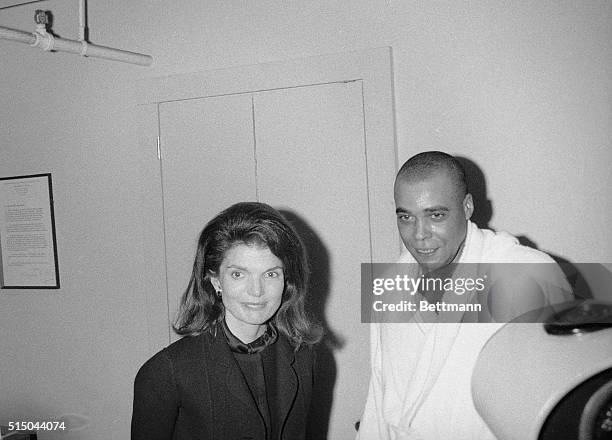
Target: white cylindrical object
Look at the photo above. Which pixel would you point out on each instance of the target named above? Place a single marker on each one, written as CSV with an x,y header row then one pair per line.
x,y
15,35
523,372
82,20
71,46
96,51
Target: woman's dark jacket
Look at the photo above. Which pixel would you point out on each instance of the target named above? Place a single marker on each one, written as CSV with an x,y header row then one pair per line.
x,y
194,390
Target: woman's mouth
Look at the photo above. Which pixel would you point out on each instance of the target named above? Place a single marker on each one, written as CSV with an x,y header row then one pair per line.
x,y
254,306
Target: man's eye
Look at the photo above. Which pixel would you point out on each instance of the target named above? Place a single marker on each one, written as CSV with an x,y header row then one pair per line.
x,y
438,215
236,274
405,218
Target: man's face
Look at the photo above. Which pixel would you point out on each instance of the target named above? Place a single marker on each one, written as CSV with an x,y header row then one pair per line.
x,y
432,218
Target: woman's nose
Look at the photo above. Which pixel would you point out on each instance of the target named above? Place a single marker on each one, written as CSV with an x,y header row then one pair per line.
x,y
256,287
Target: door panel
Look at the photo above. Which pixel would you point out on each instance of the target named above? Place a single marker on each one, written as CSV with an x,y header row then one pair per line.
x,y
207,164
311,163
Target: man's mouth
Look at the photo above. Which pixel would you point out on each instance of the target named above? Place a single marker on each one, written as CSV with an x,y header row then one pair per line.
x,y
427,251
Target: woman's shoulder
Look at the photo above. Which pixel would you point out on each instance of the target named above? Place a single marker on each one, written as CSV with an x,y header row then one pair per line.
x,y
189,344
180,351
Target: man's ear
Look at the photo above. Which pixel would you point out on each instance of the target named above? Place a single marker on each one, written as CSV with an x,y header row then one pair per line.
x,y
468,206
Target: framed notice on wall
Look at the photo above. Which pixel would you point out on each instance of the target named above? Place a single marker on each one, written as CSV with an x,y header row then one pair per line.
x,y
27,233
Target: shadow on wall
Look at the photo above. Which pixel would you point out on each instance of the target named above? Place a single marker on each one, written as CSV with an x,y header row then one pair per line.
x,y
477,186
577,280
318,294
483,212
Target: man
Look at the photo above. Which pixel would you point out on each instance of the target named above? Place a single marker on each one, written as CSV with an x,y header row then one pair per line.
x,y
421,371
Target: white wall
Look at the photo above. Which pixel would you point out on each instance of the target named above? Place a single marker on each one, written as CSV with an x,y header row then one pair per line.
x,y
523,89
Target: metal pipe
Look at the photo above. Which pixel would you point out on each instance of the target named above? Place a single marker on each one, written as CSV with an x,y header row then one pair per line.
x,y
82,20
48,42
15,35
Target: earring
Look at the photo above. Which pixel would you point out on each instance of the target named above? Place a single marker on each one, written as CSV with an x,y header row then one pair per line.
x,y
219,293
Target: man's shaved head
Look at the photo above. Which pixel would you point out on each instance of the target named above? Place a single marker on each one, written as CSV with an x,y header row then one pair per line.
x,y
426,164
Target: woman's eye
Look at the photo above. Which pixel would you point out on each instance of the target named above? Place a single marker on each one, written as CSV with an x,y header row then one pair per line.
x,y
272,274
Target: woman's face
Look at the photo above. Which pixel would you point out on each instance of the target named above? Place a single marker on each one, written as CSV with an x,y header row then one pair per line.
x,y
251,280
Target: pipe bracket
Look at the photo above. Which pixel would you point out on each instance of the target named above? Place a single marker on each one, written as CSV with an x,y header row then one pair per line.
x,y
84,46
45,41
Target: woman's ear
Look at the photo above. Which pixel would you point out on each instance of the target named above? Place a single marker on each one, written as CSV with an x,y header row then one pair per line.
x,y
214,280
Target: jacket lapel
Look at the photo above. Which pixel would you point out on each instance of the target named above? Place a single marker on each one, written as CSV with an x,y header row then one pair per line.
x,y
279,370
225,375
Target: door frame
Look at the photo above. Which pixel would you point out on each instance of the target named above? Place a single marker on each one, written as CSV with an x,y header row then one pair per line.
x,y
373,67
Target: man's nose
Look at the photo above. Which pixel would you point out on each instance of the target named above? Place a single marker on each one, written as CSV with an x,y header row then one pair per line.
x,y
256,287
422,230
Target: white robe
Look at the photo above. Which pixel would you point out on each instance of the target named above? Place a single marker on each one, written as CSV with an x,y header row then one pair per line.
x,y
420,385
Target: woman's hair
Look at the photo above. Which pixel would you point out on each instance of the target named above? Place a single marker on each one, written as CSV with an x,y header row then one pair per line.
x,y
257,224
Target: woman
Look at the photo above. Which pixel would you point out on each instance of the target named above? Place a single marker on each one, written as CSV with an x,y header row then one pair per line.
x,y
244,369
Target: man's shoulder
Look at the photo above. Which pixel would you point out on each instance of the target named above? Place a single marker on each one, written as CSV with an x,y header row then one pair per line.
x,y
503,247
